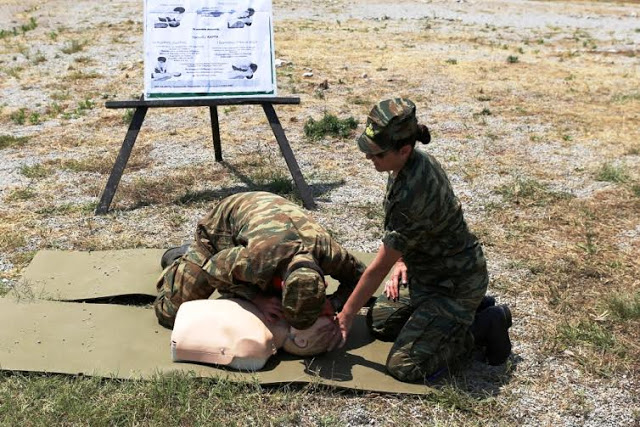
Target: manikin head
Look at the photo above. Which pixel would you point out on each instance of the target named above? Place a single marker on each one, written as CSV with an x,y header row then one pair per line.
x,y
234,333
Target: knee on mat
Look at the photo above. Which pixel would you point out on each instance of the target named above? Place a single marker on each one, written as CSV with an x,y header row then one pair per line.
x,y
405,368
386,321
164,317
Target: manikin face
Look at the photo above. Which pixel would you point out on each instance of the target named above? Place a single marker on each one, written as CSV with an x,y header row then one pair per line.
x,y
311,341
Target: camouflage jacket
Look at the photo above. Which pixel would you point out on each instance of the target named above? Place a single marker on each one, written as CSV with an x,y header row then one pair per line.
x,y
250,238
423,216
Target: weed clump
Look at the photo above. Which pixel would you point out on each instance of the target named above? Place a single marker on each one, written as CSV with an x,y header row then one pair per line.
x,y
329,125
612,173
7,141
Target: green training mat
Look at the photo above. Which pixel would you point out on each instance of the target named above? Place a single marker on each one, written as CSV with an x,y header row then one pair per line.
x,y
79,276
73,275
126,342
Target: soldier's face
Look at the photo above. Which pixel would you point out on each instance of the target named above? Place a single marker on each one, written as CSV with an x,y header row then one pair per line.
x,y
384,161
390,160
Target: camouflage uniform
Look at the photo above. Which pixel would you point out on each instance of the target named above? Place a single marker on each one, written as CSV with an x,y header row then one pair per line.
x,y
446,268
244,245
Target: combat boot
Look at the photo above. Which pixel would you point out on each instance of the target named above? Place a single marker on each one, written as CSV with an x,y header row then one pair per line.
x,y
490,329
487,301
173,254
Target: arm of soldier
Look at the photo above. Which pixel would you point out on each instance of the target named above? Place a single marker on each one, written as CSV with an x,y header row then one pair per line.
x,y
230,268
339,263
366,287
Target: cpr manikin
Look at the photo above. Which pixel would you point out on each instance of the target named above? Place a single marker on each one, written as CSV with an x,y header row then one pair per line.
x,y
234,333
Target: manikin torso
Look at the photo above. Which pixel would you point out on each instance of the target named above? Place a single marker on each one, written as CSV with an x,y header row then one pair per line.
x,y
234,333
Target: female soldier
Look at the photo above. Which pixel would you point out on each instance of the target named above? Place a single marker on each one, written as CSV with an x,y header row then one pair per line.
x,y
426,237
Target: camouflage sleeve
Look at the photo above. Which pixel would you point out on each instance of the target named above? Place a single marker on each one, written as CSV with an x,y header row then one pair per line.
x,y
338,263
397,229
232,269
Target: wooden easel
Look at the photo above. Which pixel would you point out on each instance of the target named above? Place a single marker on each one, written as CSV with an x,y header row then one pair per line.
x,y
141,106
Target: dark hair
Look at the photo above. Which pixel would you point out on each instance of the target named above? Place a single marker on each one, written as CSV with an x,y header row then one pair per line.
x,y
422,134
179,9
162,59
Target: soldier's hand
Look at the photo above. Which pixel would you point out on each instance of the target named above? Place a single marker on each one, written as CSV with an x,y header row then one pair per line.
x,y
344,322
398,278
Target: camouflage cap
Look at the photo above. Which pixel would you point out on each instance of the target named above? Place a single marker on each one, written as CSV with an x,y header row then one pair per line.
x,y
303,297
389,121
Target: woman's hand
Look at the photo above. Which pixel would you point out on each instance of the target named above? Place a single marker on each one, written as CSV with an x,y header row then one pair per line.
x,y
398,277
270,306
344,321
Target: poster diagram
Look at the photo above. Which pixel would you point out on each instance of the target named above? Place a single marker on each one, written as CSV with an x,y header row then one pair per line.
x,y
200,48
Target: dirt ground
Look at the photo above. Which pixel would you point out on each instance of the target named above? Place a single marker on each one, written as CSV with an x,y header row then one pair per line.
x,y
534,109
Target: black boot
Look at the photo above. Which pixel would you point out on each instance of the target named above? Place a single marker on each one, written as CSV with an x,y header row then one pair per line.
x,y
173,254
487,301
491,330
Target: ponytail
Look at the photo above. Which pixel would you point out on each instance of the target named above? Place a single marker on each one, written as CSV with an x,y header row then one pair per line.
x,y
424,135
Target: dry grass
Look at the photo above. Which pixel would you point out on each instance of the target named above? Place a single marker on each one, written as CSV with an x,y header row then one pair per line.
x,y
543,152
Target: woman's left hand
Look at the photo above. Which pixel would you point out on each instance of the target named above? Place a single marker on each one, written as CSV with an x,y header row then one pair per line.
x,y
398,277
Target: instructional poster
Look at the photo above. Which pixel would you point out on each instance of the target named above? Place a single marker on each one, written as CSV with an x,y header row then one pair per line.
x,y
200,48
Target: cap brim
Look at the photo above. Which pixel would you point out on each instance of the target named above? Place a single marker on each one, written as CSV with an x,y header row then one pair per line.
x,y
368,146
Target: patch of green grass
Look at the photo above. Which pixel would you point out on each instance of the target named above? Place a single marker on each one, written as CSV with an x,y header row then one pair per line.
x,y
31,25
626,97
10,241
87,104
451,61
35,171
127,116
7,141
529,191
635,189
512,59
19,117
279,185
80,110
587,332
54,109
21,194
329,125
67,208
14,71
34,118
625,307
100,165
24,28
589,245
612,173
73,46
61,96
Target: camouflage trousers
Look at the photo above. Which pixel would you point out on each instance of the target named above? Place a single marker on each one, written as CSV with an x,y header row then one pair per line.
x,y
183,280
429,324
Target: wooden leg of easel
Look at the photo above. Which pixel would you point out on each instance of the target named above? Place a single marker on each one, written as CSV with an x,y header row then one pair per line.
x,y
298,179
121,161
215,131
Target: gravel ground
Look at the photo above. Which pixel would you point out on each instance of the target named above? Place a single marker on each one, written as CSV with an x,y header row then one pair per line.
x,y
539,388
